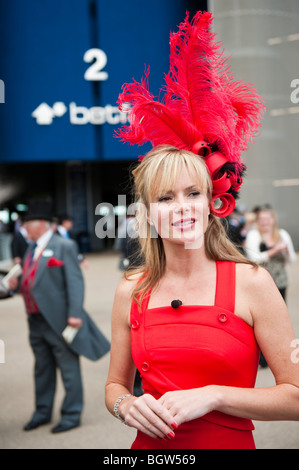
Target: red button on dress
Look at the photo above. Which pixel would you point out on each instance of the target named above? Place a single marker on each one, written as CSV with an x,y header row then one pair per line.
x,y
222,318
145,367
135,324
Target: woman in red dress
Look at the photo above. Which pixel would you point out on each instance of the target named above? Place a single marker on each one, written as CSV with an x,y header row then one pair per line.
x,y
198,361
195,315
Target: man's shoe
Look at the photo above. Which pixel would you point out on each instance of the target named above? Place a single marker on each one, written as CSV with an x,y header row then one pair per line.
x,y
64,427
35,423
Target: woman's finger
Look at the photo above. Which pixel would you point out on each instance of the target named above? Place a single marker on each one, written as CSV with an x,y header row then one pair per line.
x,y
151,416
139,422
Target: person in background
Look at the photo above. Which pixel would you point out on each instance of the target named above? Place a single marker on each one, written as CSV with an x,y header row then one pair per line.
x,y
236,230
64,228
54,224
53,290
65,225
19,244
271,247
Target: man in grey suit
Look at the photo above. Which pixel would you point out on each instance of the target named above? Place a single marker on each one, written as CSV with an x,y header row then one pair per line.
x,y
53,290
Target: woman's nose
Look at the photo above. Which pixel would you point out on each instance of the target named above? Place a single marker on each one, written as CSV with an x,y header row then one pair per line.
x,y
181,206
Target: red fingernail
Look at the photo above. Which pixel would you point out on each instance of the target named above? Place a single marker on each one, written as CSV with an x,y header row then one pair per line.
x,y
174,425
171,435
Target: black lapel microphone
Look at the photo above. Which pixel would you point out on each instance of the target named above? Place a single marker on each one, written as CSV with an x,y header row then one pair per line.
x,y
176,303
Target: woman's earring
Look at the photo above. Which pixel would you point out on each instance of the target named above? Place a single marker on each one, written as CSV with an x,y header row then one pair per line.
x,y
153,230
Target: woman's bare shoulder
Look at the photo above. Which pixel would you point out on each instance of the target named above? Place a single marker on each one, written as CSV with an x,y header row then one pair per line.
x,y
253,276
123,299
255,283
255,291
127,285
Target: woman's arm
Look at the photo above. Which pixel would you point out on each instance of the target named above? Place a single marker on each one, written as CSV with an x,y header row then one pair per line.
x,y
144,413
252,247
121,371
253,251
275,336
291,254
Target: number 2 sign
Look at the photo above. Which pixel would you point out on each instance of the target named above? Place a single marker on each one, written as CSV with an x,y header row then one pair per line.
x,y
95,71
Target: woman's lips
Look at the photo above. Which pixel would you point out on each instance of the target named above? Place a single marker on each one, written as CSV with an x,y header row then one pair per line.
x,y
184,223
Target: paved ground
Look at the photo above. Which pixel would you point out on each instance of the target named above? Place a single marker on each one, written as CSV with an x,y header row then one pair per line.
x,y
99,429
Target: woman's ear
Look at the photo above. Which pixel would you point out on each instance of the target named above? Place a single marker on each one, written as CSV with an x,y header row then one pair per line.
x,y
148,217
149,221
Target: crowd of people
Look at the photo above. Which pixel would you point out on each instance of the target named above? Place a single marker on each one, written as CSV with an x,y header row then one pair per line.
x,y
255,236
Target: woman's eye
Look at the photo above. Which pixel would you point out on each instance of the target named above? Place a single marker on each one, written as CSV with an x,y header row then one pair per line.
x,y
194,193
164,199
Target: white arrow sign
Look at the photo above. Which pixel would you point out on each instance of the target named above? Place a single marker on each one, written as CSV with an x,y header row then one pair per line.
x,y
44,114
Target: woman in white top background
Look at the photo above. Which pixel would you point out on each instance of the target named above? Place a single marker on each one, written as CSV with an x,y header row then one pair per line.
x,y
272,247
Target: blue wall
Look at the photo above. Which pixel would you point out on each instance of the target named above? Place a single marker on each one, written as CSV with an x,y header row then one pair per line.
x,y
42,45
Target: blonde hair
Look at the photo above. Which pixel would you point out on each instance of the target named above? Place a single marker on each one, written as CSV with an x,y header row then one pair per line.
x,y
275,230
157,173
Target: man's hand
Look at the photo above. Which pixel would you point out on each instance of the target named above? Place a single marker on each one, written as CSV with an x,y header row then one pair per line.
x,y
13,283
75,322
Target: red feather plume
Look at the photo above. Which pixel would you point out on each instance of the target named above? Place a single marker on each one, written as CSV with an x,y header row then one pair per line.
x,y
201,99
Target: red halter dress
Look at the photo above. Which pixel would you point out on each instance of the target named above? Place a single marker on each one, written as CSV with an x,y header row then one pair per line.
x,y
191,347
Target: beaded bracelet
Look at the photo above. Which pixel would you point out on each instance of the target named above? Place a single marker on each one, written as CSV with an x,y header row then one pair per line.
x,y
116,405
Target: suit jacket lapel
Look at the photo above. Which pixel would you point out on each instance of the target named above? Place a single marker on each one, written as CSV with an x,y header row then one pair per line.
x,y
42,262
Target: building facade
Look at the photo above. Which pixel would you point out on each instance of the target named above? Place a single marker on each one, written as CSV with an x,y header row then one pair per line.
x,y
262,38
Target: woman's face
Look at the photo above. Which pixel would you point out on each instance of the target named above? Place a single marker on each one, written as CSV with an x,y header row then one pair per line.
x,y
265,221
180,215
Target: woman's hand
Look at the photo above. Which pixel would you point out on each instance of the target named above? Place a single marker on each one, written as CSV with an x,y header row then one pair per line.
x,y
148,415
280,247
186,405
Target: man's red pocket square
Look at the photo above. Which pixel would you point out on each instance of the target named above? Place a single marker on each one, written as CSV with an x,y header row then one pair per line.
x,y
53,262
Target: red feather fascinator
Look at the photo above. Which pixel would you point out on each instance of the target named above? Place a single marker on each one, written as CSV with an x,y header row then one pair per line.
x,y
203,109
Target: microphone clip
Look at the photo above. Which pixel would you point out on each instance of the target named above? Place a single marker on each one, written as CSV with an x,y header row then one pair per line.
x,y
176,303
